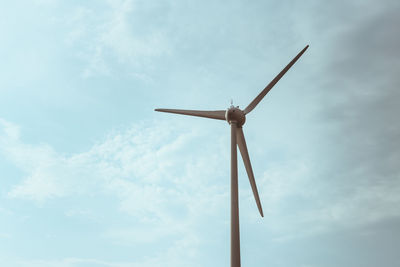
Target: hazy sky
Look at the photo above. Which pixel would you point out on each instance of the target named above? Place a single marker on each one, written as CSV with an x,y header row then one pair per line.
x,y
91,176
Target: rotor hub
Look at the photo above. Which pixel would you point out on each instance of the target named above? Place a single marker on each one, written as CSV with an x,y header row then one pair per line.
x,y
235,115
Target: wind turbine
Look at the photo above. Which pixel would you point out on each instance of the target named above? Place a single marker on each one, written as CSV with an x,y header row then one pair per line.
x,y
236,118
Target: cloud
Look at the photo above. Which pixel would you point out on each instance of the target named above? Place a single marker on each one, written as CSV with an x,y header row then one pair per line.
x,y
130,39
117,37
162,188
177,255
144,156
362,100
366,206
355,173
158,179
362,95
146,170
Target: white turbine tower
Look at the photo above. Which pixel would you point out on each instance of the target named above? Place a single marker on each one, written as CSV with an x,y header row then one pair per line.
x,y
236,118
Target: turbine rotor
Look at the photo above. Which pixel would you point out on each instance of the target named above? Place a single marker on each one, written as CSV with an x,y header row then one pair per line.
x,y
235,114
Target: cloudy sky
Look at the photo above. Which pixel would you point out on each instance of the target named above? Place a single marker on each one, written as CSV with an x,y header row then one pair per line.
x,y
91,176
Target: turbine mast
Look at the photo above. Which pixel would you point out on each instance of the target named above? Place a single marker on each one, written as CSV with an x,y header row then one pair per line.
x,y
235,236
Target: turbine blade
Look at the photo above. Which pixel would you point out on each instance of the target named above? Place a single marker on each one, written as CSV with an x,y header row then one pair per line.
x,y
211,114
257,100
246,160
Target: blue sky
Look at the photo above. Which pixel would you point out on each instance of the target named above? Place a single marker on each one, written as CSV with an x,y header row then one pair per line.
x,y
90,175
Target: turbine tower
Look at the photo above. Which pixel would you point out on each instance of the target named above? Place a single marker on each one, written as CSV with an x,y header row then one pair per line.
x,y
236,118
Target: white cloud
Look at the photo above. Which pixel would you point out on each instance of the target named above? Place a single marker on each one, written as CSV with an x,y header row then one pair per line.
x,y
124,37
10,130
299,203
177,255
284,180
172,189
144,169
367,204
130,163
117,35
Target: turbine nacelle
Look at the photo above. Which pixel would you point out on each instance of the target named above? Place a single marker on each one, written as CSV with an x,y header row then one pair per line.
x,y
235,115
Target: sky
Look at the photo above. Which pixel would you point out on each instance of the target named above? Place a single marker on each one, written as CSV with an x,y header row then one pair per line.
x,y
91,176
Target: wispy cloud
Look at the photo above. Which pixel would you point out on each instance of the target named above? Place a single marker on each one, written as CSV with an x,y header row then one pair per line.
x,y
143,168
116,37
157,194
155,180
